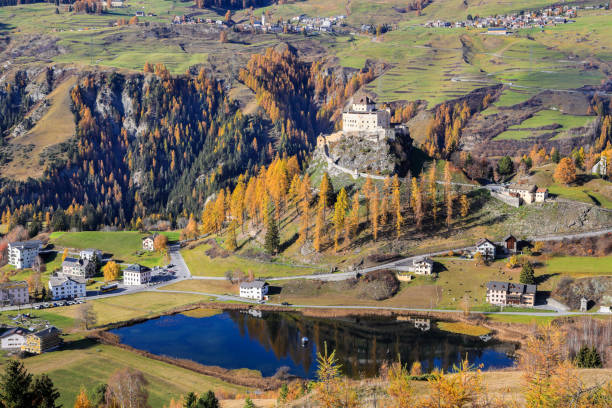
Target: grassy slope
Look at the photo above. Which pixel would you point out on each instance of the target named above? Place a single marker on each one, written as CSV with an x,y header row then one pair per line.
x,y
87,364
56,126
201,264
120,308
544,118
125,246
592,191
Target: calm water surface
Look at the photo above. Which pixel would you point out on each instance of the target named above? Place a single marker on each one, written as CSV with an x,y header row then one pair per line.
x,y
234,339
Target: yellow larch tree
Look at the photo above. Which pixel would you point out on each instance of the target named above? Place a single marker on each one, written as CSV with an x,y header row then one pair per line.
x,y
397,205
340,208
304,198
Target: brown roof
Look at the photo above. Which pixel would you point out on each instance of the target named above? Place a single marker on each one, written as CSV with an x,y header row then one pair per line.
x,y
541,190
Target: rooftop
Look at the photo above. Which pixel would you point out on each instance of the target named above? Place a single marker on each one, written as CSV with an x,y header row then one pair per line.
x,y
136,268
523,187
255,284
512,287
26,244
61,279
13,284
482,241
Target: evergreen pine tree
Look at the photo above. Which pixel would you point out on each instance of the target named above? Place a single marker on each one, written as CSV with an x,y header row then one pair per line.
x,y
44,393
190,400
272,243
582,356
249,404
527,275
209,400
15,386
594,359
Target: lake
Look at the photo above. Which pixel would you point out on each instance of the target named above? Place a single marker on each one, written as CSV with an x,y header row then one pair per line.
x,y
270,340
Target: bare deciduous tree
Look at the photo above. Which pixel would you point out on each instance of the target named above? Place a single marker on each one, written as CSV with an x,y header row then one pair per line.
x,y
127,389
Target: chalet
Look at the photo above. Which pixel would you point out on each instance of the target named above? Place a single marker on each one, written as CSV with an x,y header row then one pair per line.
x,y
148,242
42,341
601,167
140,14
78,267
486,248
23,254
14,293
605,309
257,290
67,287
13,338
510,244
136,275
507,293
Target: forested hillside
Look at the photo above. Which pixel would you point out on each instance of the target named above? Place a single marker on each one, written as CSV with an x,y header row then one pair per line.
x,y
154,143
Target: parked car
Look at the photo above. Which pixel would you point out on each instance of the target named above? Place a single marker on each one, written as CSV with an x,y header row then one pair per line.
x,y
286,304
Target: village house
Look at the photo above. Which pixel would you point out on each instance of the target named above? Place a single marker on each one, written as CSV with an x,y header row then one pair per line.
x,y
13,338
67,287
601,167
525,191
148,242
42,341
513,294
510,244
23,254
91,254
14,293
257,290
486,248
136,275
78,267
423,266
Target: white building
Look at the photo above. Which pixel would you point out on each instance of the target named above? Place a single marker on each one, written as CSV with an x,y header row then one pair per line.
x,y
14,293
78,267
136,275
422,266
486,248
525,191
90,254
23,254
362,117
67,287
148,243
254,290
13,338
601,167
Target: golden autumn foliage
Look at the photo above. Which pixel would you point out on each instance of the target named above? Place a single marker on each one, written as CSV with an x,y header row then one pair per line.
x,y
565,172
111,271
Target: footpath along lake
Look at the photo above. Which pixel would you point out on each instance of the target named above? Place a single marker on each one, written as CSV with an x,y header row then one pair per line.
x,y
266,341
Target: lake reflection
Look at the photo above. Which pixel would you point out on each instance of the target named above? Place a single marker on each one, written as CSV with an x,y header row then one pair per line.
x,y
235,339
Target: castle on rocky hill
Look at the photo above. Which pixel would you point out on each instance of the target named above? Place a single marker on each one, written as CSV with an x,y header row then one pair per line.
x,y
362,119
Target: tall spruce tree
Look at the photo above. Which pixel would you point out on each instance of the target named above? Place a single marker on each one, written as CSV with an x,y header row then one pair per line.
x,y
272,243
527,274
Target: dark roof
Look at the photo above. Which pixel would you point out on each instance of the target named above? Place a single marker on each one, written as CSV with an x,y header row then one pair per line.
x,y
507,237
50,331
14,330
494,285
76,261
255,284
150,237
137,268
512,287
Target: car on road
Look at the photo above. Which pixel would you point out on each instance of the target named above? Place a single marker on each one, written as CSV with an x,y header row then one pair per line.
x,y
286,304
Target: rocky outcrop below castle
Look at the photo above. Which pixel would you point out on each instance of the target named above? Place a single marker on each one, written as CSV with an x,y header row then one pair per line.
x,y
360,156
